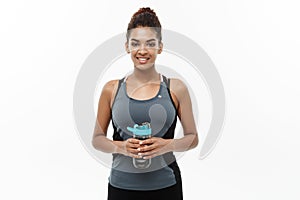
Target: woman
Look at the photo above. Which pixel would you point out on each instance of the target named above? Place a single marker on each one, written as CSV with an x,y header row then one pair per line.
x,y
144,96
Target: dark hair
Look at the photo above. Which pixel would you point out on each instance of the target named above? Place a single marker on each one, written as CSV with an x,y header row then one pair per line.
x,y
145,17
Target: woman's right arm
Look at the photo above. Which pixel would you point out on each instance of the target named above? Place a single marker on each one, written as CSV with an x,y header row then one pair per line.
x,y
100,141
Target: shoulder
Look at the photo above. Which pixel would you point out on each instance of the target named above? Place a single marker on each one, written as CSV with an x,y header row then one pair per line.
x,y
109,88
178,91
110,85
178,87
177,83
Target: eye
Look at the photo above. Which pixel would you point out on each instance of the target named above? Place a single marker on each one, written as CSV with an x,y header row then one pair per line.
x,y
134,44
151,44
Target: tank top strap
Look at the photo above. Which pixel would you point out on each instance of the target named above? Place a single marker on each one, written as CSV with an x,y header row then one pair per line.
x,y
166,81
120,82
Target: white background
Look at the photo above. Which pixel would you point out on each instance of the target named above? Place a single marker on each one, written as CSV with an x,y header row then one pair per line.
x,y
254,45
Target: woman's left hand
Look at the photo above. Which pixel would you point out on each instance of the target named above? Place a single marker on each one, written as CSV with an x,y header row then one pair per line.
x,y
154,146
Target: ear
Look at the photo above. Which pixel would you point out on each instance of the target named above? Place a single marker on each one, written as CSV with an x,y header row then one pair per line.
x,y
161,45
126,47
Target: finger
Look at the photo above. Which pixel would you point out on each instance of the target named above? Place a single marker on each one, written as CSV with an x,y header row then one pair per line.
x,y
148,153
134,155
147,148
147,141
134,146
133,141
134,151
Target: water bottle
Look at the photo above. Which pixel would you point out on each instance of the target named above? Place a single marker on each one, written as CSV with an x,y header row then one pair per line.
x,y
141,132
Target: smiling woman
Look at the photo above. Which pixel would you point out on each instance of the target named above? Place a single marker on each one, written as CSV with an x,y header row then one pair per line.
x,y
144,97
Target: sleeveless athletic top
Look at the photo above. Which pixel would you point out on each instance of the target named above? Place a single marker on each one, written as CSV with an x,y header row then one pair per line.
x,y
160,111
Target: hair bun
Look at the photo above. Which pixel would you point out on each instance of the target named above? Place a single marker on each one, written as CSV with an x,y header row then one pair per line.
x,y
145,17
145,10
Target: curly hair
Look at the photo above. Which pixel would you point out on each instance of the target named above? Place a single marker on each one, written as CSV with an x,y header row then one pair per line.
x,y
145,17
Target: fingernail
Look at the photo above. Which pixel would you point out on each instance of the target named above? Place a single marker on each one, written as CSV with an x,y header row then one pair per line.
x,y
138,149
141,142
139,154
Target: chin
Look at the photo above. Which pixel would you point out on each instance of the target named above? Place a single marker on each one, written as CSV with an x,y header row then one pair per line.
x,y
144,66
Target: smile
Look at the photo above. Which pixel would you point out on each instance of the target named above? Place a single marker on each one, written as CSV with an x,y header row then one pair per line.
x,y
142,60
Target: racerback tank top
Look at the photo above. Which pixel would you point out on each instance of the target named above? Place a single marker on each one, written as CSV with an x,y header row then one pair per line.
x,y
160,111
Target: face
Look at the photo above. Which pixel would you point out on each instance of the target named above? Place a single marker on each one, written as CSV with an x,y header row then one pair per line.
x,y
143,45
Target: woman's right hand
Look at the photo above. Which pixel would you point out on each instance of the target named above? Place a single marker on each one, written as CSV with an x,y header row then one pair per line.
x,y
128,147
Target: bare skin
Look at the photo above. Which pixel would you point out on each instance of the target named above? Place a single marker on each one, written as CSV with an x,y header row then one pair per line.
x,y
143,84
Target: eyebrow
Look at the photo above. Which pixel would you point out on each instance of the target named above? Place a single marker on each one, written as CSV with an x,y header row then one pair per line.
x,y
146,41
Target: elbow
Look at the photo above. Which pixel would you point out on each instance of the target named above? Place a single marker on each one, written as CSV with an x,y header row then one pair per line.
x,y
93,143
96,141
195,141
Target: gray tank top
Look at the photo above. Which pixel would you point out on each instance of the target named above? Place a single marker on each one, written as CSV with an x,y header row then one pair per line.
x,y
162,115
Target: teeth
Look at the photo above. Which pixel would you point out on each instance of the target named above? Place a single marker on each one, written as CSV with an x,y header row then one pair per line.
x,y
142,59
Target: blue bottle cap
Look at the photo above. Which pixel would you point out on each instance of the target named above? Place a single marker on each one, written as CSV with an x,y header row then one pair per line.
x,y
141,130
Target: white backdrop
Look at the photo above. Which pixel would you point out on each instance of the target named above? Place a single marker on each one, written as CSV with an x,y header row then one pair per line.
x,y
254,44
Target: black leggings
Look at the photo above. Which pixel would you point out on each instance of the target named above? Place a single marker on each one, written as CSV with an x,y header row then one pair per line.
x,y
173,192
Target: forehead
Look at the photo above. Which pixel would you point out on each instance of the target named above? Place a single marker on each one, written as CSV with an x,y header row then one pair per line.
x,y
142,33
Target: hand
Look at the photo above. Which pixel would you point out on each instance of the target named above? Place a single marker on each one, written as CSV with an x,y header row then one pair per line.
x,y
153,147
129,147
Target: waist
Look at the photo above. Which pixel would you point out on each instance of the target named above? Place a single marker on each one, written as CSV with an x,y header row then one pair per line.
x,y
142,181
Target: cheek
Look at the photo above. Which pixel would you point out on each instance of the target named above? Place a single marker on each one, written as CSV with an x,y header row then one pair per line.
x,y
132,56
154,55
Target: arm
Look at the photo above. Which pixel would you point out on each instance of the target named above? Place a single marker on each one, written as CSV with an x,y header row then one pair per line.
x,y
100,141
185,114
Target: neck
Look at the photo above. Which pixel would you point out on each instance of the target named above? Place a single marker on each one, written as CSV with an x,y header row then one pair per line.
x,y
143,76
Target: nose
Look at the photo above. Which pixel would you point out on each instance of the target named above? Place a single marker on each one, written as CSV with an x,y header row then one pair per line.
x,y
143,50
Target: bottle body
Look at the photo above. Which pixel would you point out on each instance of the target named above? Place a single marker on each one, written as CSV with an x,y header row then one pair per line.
x,y
141,163
141,132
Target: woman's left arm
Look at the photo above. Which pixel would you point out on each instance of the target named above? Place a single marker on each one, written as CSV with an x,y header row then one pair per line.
x,y
156,146
185,114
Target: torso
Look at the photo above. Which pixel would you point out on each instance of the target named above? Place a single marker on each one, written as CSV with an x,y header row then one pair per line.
x,y
149,102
